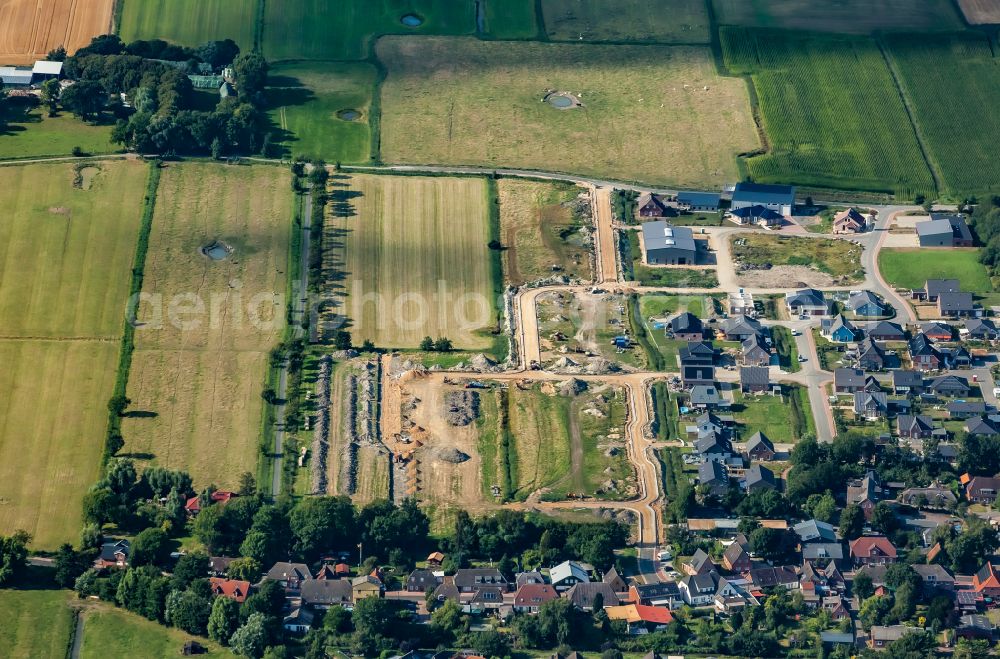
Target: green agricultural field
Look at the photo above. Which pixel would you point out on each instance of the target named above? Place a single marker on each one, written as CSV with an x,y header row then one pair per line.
x,y
305,100
310,29
540,229
28,132
510,19
953,86
650,113
627,21
845,16
64,280
831,110
36,623
911,268
111,632
207,325
413,259
190,22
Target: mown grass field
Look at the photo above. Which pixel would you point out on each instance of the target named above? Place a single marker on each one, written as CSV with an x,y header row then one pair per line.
x,y
841,16
28,132
510,19
831,110
36,623
651,113
311,29
911,268
207,326
783,419
112,632
416,261
953,86
540,230
64,279
305,99
632,21
190,22
837,258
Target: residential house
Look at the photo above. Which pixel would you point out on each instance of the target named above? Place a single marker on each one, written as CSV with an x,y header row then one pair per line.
x,y
823,551
759,447
687,327
834,604
756,214
298,621
849,221
713,446
956,357
447,590
615,580
760,478
706,397
233,589
219,565
469,580
697,376
582,595
290,575
872,550
366,585
736,559
981,329
779,198
885,330
865,492
699,589
975,627
713,476
957,305
696,353
651,205
933,288
839,329
871,356
865,304
986,582
813,530
193,505
848,380
114,553
981,426
731,596
699,201
807,301
880,636
567,574
641,619
982,489
935,578
664,244
740,328
754,379
326,593
755,352
871,405
660,593
420,580
700,563
936,331
914,427
910,383
486,598
924,355
522,578
760,579
949,386
530,597
964,409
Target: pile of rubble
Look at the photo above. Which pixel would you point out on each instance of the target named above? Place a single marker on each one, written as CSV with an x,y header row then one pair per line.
x,y
461,407
321,431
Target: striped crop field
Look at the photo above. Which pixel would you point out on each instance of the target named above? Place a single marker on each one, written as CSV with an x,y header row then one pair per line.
x,y
831,110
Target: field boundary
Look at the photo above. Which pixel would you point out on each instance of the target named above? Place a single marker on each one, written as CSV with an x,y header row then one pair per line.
x,y
114,432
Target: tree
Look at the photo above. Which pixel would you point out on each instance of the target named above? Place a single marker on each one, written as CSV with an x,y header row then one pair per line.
x,y
50,95
342,340
224,619
443,344
874,611
248,485
57,54
774,545
150,547
337,620
249,640
13,556
491,644
319,523
884,518
368,346
967,648
70,564
250,70
852,522
189,568
85,99
118,403
822,507
904,603
427,344
244,569
448,621
862,586
188,610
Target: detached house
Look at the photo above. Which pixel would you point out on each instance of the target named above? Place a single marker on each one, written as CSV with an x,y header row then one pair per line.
x,y
924,355
848,380
778,198
760,478
651,205
949,386
233,589
807,301
567,574
937,331
759,447
914,427
981,329
755,352
736,559
662,593
849,221
114,553
754,379
871,356
871,405
866,304
687,327
740,328
982,489
327,593
839,329
885,330
699,590
469,580
957,305
872,550
865,492
290,575
530,597
986,582
910,383
700,563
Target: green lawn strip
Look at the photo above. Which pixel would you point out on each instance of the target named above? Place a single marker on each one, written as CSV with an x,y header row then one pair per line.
x,y
28,132
788,352
912,267
664,412
829,353
598,466
511,19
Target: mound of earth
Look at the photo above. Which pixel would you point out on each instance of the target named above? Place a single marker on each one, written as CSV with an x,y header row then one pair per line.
x,y
452,455
461,407
572,387
481,362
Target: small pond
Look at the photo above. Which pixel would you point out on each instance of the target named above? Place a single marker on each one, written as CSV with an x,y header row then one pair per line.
x,y
561,102
217,251
349,114
411,20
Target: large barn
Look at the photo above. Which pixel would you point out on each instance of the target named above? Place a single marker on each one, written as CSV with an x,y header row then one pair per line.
x,y
668,245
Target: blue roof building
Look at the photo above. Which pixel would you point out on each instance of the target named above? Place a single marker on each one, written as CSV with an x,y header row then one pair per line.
x,y
699,201
778,198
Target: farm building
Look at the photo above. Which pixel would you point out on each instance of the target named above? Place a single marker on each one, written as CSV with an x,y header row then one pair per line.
x,y
756,214
698,201
944,231
45,70
664,244
15,78
778,198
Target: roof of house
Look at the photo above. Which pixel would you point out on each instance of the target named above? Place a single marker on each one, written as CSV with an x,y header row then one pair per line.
x,y
825,550
582,594
937,329
980,326
760,475
366,581
763,193
865,399
469,577
282,571
232,588
658,590
849,216
663,235
813,529
699,198
633,613
711,442
872,545
700,560
955,302
910,424
534,594
754,344
933,572
809,297
734,552
934,228
741,325
986,577
859,299
848,377
891,633
327,591
937,286
112,547
906,378
704,394
695,349
766,577
686,323
966,407
711,471
567,570
756,212
948,382
887,328
759,439
979,425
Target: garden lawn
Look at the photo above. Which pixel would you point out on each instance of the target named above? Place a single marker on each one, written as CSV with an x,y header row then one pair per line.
x,y
784,419
627,21
30,133
36,623
305,99
817,97
111,632
207,326
191,22
911,268
311,29
650,113
416,260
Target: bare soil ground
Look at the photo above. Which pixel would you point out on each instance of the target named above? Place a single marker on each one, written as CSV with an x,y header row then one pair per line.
x,y
788,276
580,327
31,28
980,12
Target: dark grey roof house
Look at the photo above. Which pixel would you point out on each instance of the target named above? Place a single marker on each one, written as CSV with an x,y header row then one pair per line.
x,y
779,198
668,245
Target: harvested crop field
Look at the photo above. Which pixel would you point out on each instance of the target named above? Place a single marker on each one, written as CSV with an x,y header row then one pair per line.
x,y
554,212
842,16
839,260
411,255
649,113
207,325
627,21
29,30
190,22
980,12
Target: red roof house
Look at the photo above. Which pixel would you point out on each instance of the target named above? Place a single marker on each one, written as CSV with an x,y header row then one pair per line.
x,y
193,505
234,589
873,550
986,582
531,596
